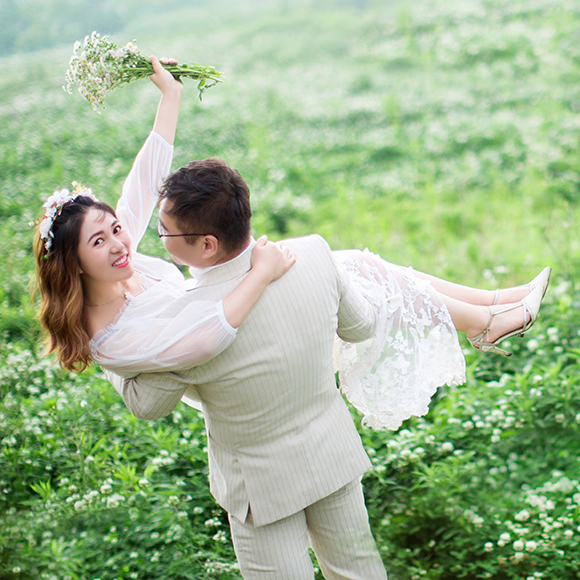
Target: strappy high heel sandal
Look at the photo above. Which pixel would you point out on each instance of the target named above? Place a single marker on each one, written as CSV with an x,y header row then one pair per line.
x,y
531,305
541,280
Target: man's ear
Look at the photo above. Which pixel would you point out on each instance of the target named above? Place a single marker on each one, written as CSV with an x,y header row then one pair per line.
x,y
211,247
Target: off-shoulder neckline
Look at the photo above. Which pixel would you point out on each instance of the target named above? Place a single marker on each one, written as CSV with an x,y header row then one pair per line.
x,y
129,298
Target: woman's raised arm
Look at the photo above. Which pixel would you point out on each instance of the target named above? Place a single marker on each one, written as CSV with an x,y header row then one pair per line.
x,y
171,89
153,162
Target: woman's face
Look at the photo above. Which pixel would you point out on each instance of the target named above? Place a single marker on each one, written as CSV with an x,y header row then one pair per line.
x,y
104,248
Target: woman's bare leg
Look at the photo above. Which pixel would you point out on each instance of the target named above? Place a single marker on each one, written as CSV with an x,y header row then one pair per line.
x,y
472,319
475,295
470,308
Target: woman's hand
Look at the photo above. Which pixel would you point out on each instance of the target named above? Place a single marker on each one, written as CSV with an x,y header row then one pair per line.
x,y
271,260
163,79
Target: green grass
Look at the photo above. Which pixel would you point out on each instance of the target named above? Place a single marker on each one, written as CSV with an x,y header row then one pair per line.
x,y
442,135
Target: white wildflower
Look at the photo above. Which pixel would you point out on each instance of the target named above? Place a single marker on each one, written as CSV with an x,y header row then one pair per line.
x,y
99,67
522,516
531,545
518,545
532,345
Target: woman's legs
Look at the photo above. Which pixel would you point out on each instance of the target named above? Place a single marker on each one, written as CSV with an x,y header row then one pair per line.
x,y
472,309
475,295
472,319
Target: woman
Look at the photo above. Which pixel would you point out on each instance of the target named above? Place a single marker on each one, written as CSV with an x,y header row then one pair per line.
x,y
103,303
90,278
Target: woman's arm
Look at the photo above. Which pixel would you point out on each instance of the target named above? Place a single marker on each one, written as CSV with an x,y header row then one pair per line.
x,y
168,110
153,162
269,262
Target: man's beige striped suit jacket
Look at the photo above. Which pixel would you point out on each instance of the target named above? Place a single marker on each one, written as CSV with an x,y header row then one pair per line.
x,y
280,434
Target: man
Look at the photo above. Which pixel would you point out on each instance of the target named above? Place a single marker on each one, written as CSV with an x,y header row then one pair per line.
x,y
285,457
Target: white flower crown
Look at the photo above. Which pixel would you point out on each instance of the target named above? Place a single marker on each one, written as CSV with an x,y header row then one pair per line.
x,y
54,205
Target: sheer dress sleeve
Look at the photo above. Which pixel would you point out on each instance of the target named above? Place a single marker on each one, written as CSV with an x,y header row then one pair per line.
x,y
143,341
141,188
357,316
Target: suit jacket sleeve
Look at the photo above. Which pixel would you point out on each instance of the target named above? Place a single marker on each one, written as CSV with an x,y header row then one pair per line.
x,y
357,317
153,395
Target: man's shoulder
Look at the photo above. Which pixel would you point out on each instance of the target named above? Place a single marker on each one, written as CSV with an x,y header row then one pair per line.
x,y
313,241
314,258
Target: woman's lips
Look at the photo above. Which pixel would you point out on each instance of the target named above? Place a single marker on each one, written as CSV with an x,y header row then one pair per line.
x,y
121,262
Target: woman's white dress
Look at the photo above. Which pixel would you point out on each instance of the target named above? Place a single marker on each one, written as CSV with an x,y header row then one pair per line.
x,y
389,378
414,350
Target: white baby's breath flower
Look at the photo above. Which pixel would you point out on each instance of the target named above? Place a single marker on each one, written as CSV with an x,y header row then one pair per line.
x,y
114,500
518,545
531,545
532,345
522,516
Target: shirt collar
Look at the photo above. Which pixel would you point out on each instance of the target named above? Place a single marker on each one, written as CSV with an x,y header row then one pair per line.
x,y
197,273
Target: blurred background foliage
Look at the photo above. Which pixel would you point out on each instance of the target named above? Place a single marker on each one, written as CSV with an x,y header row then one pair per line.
x,y
441,134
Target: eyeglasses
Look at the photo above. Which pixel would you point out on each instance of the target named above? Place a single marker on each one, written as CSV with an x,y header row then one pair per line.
x,y
161,233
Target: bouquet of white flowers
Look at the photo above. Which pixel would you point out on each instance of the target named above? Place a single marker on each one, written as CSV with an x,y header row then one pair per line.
x,y
99,67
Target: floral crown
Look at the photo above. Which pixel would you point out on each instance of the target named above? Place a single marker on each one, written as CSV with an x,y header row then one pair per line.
x,y
54,206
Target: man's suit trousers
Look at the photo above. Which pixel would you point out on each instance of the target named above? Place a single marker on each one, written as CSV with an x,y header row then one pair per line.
x,y
339,532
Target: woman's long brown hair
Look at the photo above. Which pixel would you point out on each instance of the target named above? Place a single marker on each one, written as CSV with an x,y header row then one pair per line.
x,y
58,278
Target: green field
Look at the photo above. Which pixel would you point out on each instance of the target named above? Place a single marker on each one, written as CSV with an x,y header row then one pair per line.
x,y
443,135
